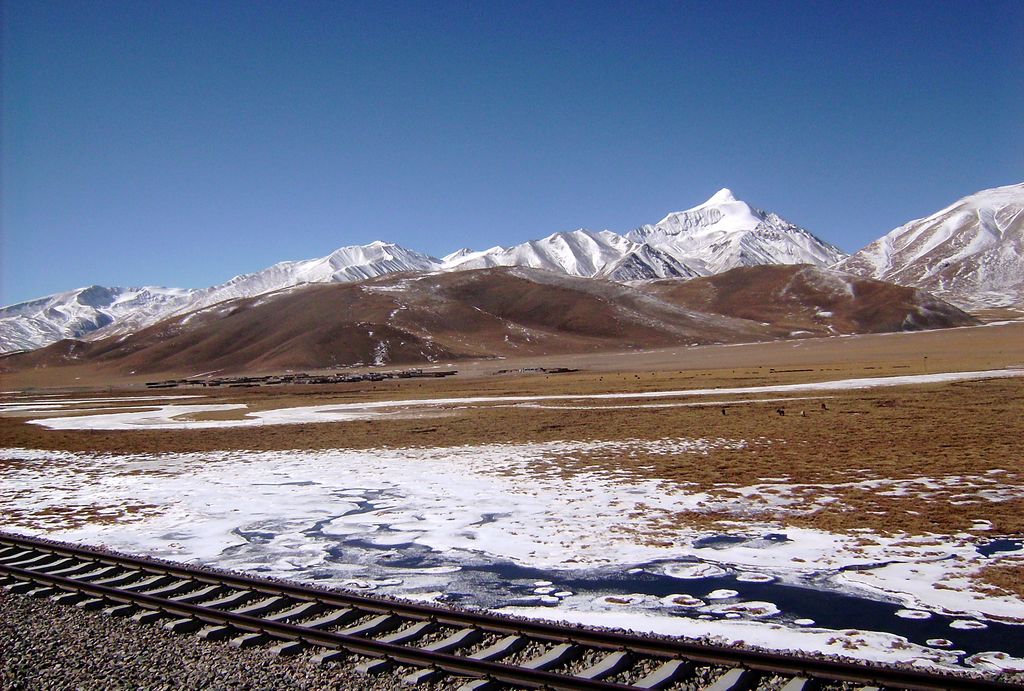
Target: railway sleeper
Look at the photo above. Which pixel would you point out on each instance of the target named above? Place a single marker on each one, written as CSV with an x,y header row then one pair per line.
x,y
503,648
480,685
20,587
173,588
384,622
303,609
610,665
120,580
151,582
81,567
561,654
148,616
289,648
68,598
406,635
459,639
185,625
216,632
54,566
509,645
556,657
11,553
332,655
238,597
122,610
667,674
91,603
201,594
801,684
247,640
338,617
737,679
43,591
101,572
34,561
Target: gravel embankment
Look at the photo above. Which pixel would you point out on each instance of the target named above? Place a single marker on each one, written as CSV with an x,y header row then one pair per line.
x,y
48,646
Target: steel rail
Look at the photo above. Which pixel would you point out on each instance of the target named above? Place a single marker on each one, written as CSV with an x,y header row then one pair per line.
x,y
326,639
771,663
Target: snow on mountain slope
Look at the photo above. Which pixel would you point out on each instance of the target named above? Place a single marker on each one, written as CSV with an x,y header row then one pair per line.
x,y
646,262
353,263
720,234
76,313
578,253
98,312
724,233
714,236
970,253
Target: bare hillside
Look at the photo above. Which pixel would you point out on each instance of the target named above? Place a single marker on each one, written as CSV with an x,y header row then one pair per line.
x,y
819,301
415,319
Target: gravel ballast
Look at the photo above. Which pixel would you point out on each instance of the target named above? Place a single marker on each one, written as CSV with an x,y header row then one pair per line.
x,y
48,646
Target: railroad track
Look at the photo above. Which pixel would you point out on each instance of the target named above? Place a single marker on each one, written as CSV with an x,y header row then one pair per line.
x,y
421,643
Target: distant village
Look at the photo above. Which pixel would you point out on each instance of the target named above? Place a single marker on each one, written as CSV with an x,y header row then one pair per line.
x,y
302,378
297,379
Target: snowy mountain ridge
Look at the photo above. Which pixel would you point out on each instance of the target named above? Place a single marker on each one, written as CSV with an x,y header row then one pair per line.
x,y
77,313
970,253
720,234
724,233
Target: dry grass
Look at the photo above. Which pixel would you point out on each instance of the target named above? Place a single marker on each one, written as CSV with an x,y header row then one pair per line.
x,y
1005,578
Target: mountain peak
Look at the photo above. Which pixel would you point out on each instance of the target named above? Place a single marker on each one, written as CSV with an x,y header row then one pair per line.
x,y
722,196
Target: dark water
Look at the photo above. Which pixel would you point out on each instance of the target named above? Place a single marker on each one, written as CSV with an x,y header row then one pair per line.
x,y
483,581
1000,546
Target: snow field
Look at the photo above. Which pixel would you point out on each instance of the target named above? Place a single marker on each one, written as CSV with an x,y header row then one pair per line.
x,y
289,513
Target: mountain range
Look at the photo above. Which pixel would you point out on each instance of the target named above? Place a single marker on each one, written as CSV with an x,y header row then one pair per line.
x,y
969,253
719,234
499,312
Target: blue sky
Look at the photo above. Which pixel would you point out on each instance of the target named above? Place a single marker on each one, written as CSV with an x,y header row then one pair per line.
x,y
182,143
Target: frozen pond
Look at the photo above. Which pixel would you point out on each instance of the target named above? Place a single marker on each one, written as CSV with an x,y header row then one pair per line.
x,y
503,527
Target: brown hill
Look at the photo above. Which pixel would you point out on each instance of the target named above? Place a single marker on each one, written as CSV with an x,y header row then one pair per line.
x,y
409,319
799,298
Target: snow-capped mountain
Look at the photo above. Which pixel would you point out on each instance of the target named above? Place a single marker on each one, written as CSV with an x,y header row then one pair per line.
x,y
720,234
577,253
98,312
725,233
353,263
77,313
971,253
